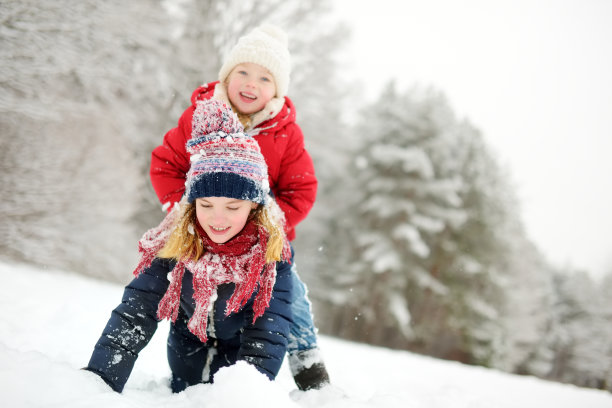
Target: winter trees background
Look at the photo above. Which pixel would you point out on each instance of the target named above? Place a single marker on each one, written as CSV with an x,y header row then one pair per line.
x,y
74,114
415,241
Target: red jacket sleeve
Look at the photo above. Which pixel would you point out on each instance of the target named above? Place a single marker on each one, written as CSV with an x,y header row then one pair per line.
x,y
296,187
170,162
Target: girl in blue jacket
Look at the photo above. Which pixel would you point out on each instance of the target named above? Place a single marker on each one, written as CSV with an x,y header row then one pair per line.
x,y
217,266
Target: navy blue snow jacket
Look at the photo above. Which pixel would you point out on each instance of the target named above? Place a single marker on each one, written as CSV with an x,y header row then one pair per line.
x,y
230,338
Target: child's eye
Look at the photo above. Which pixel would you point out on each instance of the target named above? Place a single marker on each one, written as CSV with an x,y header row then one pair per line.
x,y
233,208
265,79
242,72
205,205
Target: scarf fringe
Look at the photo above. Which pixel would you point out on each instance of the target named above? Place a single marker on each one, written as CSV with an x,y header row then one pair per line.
x,y
203,294
244,290
262,302
169,305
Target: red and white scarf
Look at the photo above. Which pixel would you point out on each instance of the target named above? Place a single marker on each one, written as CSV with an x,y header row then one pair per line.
x,y
241,260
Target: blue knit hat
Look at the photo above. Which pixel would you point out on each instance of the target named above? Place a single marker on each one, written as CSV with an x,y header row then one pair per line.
x,y
225,162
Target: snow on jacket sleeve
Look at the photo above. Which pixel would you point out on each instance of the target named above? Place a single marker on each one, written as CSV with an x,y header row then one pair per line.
x,y
296,187
264,343
170,162
130,327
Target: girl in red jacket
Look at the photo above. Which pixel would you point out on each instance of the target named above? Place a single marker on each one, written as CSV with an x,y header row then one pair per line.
x,y
254,80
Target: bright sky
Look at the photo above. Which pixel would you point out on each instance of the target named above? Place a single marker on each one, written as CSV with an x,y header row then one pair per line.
x,y
535,77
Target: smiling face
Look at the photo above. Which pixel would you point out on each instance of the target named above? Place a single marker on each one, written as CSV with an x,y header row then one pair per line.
x,y
250,87
221,217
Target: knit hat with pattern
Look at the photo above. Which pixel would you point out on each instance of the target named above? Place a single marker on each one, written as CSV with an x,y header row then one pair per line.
x,y
266,45
225,162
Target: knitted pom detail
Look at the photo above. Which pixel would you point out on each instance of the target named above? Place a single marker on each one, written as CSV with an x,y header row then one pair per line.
x,y
225,162
212,119
275,33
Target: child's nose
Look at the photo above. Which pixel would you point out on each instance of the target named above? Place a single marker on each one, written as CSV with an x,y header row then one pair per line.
x,y
218,216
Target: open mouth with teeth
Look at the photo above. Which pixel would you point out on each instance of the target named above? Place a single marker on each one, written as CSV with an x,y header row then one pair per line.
x,y
219,229
249,97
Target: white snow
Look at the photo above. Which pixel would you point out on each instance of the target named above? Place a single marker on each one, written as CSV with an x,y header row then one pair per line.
x,y
51,320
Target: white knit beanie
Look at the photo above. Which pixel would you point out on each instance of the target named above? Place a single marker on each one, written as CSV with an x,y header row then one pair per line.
x,y
266,45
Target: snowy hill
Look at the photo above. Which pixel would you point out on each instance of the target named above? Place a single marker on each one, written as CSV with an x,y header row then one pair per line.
x,y
50,321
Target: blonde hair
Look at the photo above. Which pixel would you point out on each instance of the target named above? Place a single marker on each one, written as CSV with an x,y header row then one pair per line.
x,y
185,242
244,119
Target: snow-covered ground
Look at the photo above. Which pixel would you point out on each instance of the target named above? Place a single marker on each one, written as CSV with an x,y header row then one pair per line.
x,y
50,321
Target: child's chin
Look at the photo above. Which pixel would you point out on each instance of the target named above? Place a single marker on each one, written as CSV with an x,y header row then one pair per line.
x,y
218,238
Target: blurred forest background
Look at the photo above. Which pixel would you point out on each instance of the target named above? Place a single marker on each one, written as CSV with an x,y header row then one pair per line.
x,y
416,240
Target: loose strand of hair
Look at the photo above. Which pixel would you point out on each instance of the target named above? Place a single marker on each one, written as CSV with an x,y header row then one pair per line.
x,y
276,234
185,242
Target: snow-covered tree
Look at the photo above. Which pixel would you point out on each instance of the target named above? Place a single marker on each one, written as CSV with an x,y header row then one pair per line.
x,y
424,246
500,283
579,335
318,92
406,197
526,313
79,87
605,316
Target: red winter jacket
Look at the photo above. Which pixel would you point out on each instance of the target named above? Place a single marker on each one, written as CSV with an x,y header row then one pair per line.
x,y
290,168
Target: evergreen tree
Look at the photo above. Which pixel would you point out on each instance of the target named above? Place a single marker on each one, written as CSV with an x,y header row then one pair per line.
x,y
526,315
580,331
405,200
605,314
427,241
500,283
